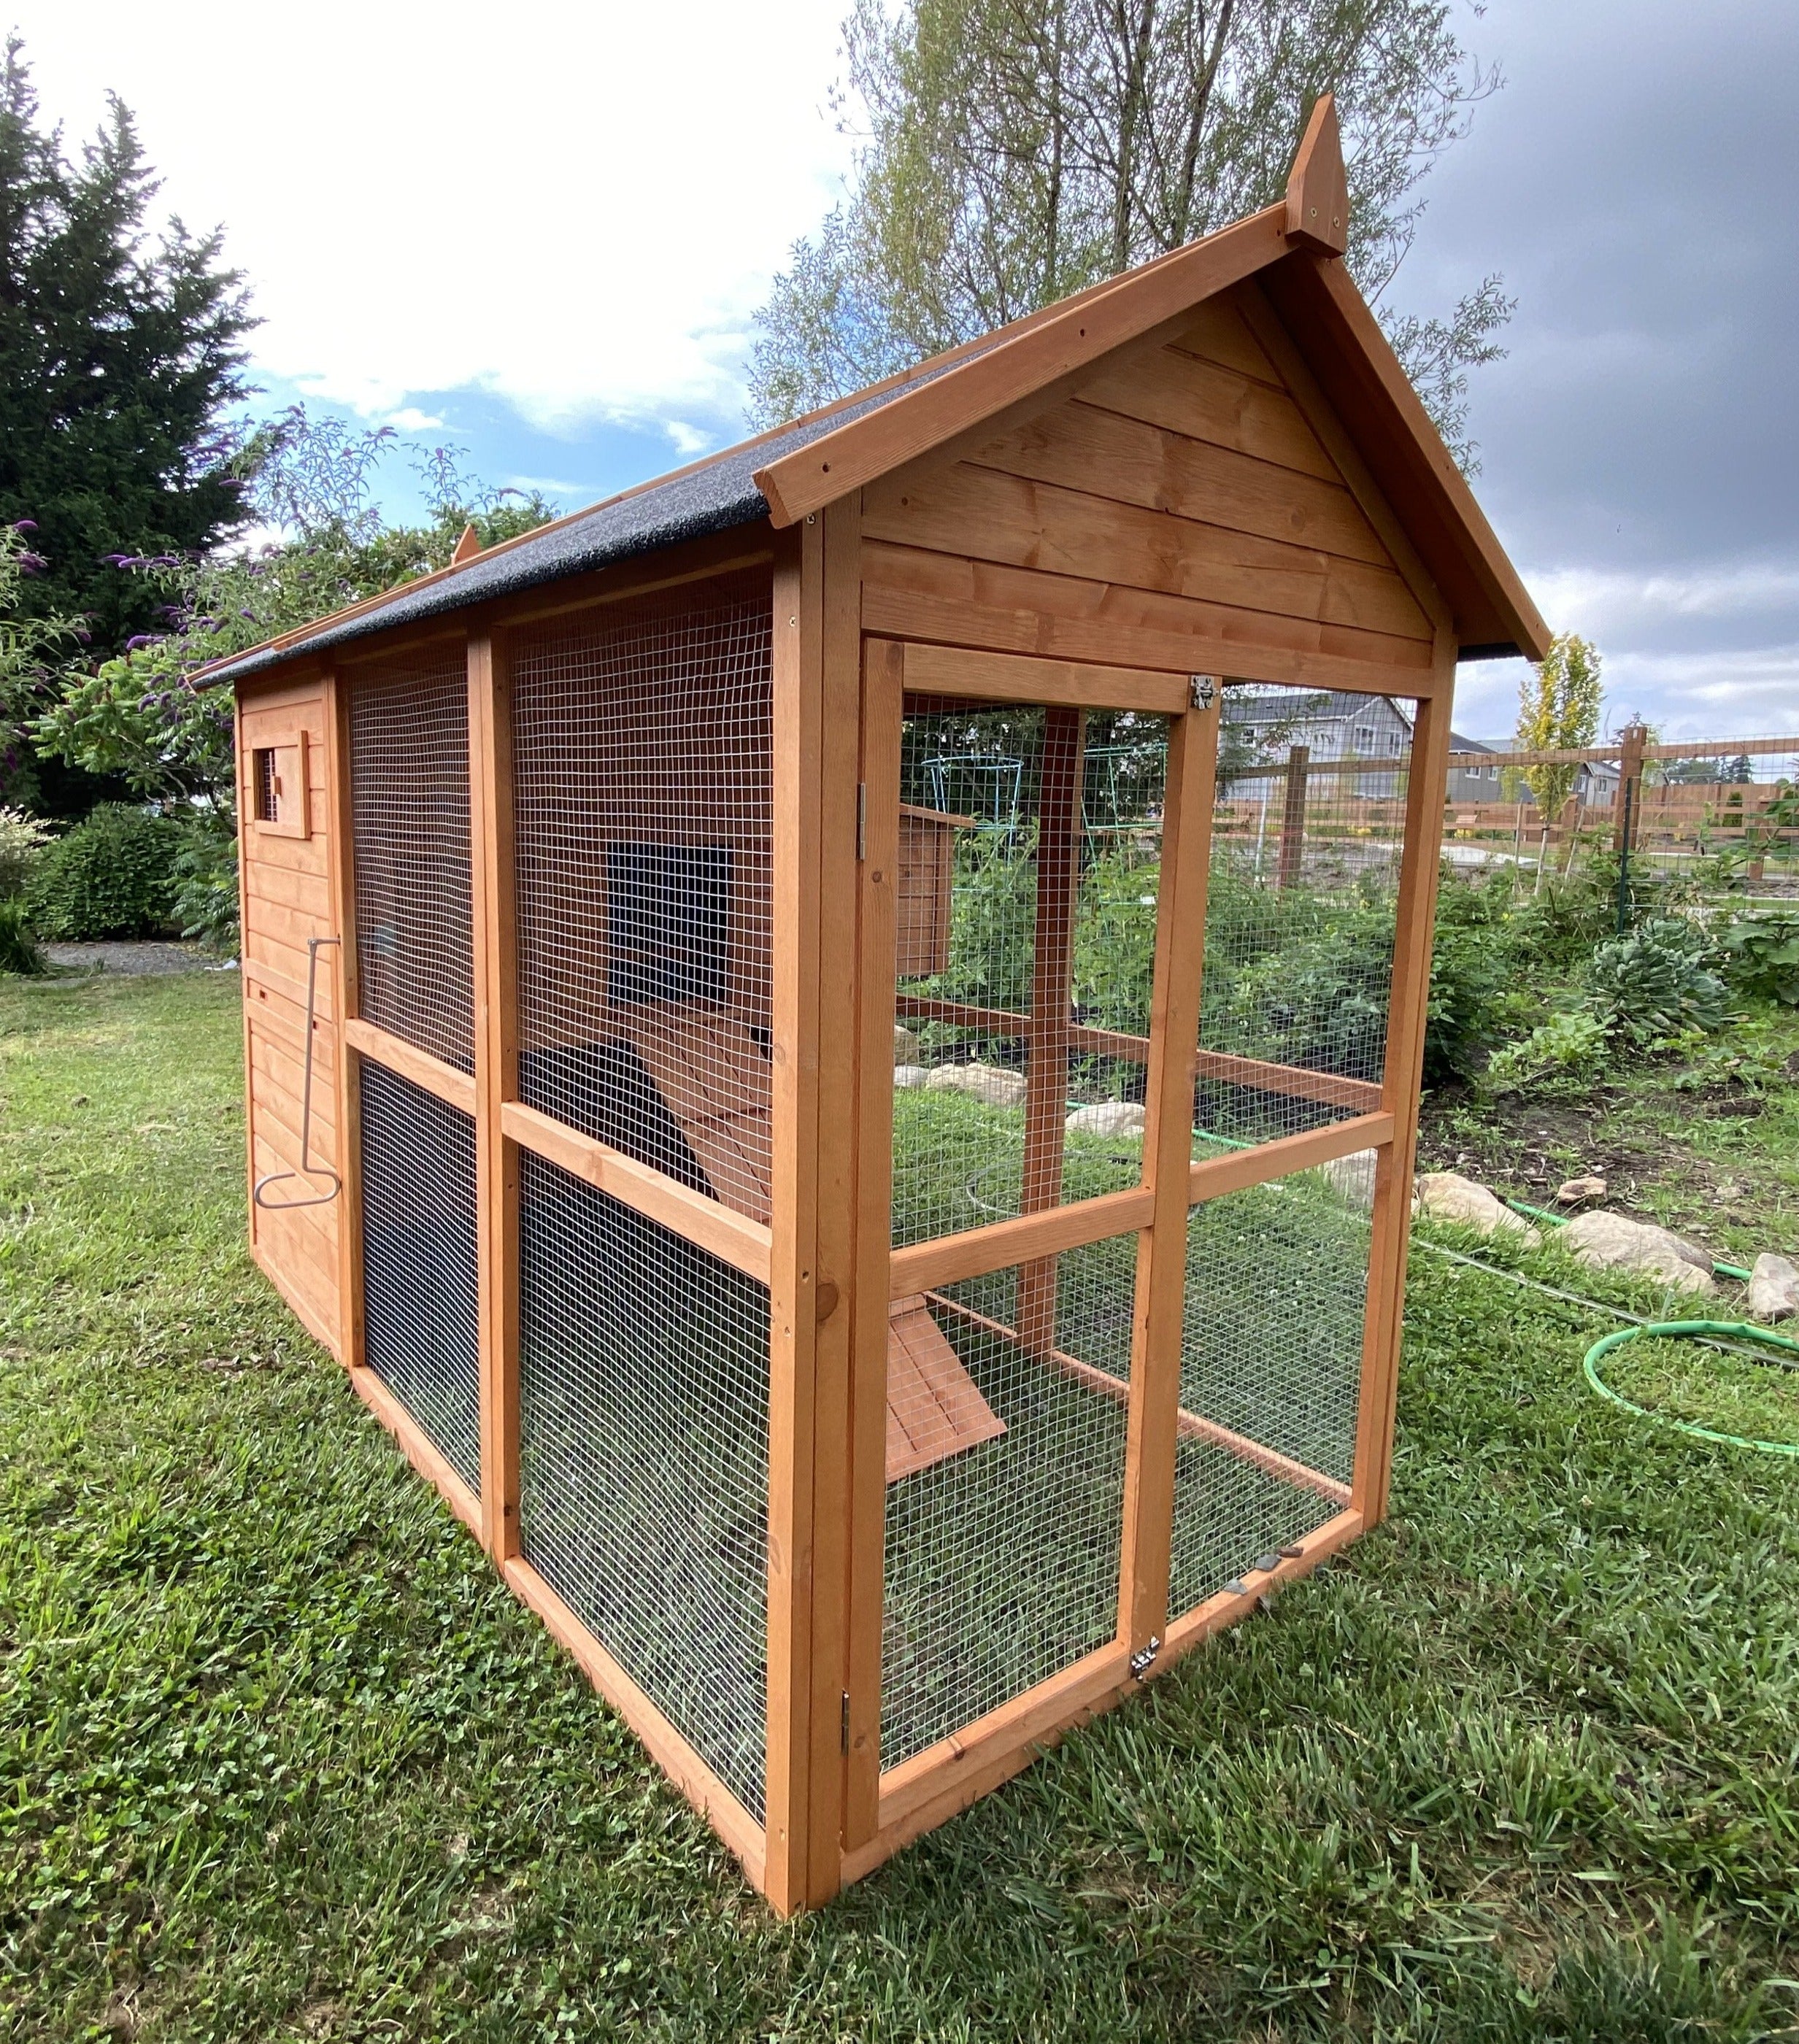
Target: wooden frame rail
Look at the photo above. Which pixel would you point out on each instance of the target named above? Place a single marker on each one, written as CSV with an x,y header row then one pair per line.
x,y
1212,1178
455,1089
708,1223
922,1266
1299,1081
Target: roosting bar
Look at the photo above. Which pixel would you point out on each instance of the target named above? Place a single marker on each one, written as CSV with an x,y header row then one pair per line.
x,y
826,1069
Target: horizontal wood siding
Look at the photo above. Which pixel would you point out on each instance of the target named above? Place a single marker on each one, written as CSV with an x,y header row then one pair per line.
x,y
288,900
1176,508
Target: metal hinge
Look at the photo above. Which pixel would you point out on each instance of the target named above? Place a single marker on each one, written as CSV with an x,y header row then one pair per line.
x,y
1144,1659
845,1732
1204,689
861,821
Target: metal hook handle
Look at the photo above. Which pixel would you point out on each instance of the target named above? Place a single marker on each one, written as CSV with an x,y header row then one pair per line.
x,y
307,1169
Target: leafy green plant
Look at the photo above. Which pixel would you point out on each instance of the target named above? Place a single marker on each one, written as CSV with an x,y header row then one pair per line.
x,y
1656,983
111,876
1568,1044
22,838
206,891
1762,954
18,951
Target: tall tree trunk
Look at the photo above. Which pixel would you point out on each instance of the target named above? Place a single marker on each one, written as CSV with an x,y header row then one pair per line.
x,y
1133,91
1180,222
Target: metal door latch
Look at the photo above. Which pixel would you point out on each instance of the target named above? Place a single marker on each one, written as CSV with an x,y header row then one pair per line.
x,y
1205,690
1144,1659
308,1169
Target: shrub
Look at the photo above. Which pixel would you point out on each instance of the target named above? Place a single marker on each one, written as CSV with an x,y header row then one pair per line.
x,y
111,876
1761,954
1656,983
22,838
205,892
1567,1044
17,953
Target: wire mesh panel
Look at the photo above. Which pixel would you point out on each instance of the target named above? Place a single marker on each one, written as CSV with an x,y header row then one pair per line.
x,y
1307,839
1029,847
410,815
643,1446
419,1268
643,771
1271,1371
1001,1555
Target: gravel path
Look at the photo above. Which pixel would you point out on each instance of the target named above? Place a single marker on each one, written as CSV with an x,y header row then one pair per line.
x,y
131,958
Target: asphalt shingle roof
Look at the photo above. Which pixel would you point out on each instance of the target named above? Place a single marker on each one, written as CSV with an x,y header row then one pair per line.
x,y
713,496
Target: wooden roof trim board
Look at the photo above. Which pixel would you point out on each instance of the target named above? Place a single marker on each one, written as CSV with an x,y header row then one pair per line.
x,y
1080,331
1330,325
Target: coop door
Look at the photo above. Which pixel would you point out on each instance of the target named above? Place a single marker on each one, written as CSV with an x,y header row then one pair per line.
x,y
1010,898
1307,836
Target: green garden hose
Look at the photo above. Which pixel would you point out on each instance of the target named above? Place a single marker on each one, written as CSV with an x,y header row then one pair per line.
x,y
1736,1329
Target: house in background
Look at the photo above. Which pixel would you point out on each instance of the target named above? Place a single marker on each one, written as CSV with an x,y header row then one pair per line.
x,y
1596,784
1262,725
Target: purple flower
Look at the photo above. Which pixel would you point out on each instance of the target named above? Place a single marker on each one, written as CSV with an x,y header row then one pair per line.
x,y
25,525
141,639
32,563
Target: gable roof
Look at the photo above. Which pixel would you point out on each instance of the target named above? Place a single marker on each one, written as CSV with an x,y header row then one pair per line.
x,y
793,471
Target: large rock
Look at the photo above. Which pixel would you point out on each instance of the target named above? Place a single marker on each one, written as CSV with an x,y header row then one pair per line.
x,y
1447,1196
1773,1287
992,1083
1352,1178
906,1046
1612,1242
1109,1117
908,1078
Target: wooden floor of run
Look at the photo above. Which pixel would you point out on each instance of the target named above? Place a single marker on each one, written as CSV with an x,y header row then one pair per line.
x,y
714,1080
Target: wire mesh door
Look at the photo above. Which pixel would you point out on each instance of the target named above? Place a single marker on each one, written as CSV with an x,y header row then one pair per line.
x,y
1307,850
1025,838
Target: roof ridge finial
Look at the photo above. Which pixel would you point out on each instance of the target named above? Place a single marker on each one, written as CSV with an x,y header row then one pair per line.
x,y
1318,185
469,545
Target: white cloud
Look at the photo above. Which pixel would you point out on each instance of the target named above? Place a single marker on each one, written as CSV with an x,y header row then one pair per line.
x,y
550,486
1596,602
689,440
577,211
409,419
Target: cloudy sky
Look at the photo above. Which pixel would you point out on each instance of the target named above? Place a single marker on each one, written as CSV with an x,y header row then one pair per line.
x,y
539,234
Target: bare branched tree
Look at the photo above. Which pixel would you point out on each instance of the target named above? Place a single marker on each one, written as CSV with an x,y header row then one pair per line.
x,y
1014,151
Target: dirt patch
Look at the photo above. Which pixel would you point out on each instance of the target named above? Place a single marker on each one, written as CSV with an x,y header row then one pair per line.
x,y
1530,1146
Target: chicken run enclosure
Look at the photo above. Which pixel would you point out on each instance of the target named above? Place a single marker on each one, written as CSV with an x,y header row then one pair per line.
x,y
827,1067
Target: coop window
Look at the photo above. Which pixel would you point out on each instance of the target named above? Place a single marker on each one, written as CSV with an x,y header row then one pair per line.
x,y
278,785
668,922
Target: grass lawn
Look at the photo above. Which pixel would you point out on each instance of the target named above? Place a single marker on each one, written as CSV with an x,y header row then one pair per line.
x,y
281,1759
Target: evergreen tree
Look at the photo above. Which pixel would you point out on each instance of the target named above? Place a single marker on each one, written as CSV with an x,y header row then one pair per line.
x,y
119,356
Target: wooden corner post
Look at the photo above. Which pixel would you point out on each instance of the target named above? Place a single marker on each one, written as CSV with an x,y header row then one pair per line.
x,y
792,1302
882,721
843,830
496,1082
341,854
1162,1248
1414,915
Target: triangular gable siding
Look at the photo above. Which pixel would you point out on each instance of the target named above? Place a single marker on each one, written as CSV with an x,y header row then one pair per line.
x,y
1178,498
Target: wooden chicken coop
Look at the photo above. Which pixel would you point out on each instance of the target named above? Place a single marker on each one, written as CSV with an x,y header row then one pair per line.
x,y
864,1232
